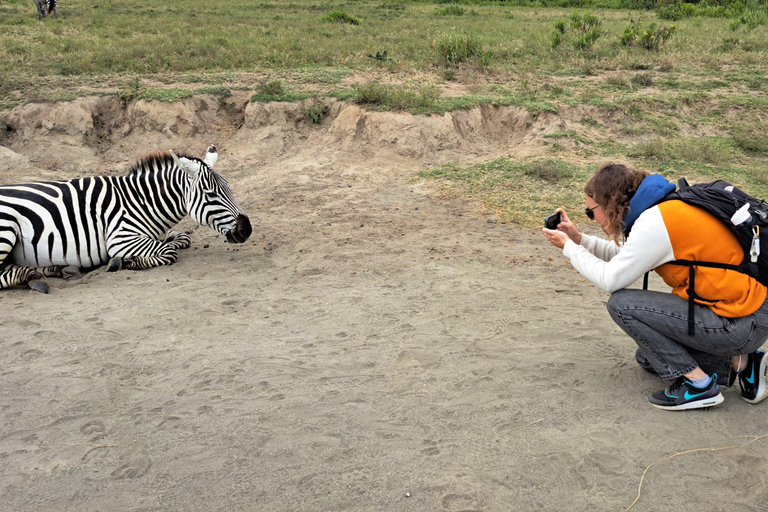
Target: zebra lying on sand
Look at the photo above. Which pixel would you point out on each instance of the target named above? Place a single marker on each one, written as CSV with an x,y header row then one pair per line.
x,y
46,8
56,228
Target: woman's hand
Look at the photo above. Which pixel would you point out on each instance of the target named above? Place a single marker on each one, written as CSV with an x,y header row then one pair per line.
x,y
568,227
565,230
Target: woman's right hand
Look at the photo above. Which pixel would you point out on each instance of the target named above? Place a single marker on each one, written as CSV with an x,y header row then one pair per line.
x,y
568,227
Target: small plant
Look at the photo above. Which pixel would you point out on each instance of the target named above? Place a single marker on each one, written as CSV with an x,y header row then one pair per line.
x,y
131,93
450,10
315,112
582,30
271,88
379,57
339,16
376,93
448,74
452,49
373,93
642,80
652,38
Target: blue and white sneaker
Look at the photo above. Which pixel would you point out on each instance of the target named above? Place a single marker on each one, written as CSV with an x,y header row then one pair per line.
x,y
752,378
682,395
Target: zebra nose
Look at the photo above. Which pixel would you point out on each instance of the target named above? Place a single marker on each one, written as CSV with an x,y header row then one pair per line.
x,y
242,230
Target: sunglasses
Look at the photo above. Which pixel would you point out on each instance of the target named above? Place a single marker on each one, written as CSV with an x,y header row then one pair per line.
x,y
591,212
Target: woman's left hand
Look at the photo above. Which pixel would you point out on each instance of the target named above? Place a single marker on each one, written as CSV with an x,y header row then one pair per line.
x,y
555,237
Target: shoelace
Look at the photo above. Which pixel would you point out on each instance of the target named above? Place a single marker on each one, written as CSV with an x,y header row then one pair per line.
x,y
677,384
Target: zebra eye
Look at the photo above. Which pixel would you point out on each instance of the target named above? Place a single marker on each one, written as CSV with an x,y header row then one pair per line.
x,y
211,195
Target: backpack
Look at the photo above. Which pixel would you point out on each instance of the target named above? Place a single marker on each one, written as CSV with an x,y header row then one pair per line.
x,y
723,200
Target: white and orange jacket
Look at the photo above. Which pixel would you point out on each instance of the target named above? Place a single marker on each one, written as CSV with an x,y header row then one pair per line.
x,y
663,233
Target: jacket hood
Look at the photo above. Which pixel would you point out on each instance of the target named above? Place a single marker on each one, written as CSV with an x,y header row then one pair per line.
x,y
651,191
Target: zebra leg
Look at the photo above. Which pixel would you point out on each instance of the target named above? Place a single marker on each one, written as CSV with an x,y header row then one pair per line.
x,y
14,275
178,240
52,8
40,4
68,272
166,255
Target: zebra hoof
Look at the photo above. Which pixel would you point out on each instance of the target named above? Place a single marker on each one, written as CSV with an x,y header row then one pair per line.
x,y
38,286
70,272
115,264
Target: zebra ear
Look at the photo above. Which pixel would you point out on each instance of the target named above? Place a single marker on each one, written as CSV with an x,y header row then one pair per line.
x,y
186,165
211,156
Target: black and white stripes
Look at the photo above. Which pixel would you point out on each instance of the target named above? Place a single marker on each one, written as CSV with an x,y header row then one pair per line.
x,y
123,221
46,8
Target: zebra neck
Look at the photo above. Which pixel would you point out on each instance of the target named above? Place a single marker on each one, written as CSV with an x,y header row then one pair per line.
x,y
157,196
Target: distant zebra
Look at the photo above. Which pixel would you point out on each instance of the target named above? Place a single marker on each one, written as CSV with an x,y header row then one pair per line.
x,y
55,228
46,8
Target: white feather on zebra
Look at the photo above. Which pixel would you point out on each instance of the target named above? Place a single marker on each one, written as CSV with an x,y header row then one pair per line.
x,y
55,228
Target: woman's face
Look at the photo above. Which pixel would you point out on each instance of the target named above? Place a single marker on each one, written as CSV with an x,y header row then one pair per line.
x,y
599,215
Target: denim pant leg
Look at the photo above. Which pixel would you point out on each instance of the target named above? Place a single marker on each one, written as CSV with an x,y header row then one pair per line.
x,y
710,363
658,322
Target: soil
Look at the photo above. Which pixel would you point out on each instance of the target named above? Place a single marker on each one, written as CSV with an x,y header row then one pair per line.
x,y
373,346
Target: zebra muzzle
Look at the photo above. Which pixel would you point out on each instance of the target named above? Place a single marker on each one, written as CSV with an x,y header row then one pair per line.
x,y
241,232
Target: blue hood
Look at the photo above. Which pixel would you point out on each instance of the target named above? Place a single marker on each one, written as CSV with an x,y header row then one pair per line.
x,y
651,191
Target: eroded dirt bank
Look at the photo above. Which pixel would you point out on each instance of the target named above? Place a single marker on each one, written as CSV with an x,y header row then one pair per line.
x,y
369,348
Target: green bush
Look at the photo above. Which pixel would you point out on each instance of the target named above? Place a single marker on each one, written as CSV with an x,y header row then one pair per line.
x,y
339,16
315,112
376,93
652,38
582,30
454,49
271,87
450,10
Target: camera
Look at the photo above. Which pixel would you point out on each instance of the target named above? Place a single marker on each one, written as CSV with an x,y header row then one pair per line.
x,y
552,221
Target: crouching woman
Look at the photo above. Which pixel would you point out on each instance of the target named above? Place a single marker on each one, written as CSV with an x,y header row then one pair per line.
x,y
730,314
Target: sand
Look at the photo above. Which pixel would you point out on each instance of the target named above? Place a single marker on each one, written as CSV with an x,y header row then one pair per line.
x,y
372,347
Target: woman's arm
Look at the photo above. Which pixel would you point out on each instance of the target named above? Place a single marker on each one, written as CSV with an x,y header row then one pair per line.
x,y
647,247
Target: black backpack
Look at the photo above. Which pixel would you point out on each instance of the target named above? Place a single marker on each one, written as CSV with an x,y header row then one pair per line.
x,y
723,200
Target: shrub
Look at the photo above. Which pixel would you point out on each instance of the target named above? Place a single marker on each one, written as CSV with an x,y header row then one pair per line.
x,y
376,93
652,38
339,16
271,87
452,49
315,112
582,30
450,10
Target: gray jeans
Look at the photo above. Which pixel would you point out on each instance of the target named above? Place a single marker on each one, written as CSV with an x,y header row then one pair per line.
x,y
658,322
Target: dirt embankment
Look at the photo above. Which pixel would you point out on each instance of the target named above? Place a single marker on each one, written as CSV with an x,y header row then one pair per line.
x,y
82,136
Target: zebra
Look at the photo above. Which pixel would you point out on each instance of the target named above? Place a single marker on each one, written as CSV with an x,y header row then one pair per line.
x,y
46,8
56,228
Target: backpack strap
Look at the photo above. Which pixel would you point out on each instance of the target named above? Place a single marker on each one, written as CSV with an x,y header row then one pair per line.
x,y
691,264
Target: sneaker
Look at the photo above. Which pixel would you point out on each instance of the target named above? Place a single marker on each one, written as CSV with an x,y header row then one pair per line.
x,y
752,378
682,395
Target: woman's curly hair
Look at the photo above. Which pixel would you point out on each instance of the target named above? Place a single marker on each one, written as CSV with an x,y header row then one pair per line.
x,y
612,187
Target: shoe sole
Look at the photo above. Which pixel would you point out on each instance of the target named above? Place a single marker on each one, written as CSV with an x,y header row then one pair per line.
x,y
699,404
762,389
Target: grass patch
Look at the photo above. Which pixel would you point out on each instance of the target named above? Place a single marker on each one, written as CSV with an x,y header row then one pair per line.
x,y
520,192
387,97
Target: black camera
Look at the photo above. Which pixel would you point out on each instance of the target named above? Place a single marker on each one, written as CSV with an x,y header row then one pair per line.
x,y
552,221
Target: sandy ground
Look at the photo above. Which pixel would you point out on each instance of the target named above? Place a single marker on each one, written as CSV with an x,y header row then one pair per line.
x,y
371,347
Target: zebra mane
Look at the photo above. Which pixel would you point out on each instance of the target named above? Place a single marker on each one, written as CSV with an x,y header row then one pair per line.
x,y
156,160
